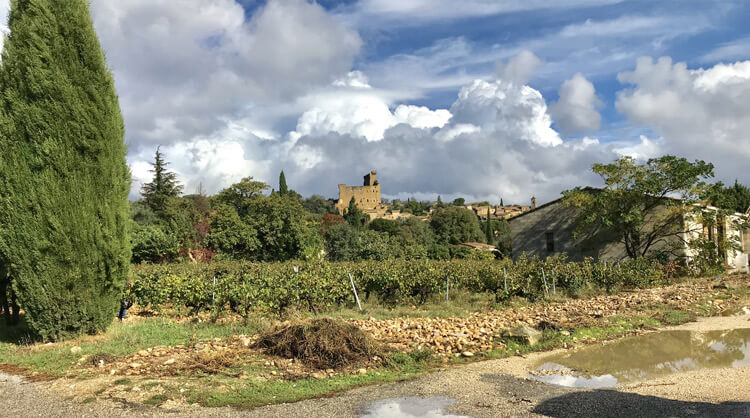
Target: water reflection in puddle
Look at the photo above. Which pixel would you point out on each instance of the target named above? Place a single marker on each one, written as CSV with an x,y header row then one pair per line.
x,y
411,408
647,356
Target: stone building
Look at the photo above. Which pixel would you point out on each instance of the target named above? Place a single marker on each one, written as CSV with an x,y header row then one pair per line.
x,y
550,229
367,197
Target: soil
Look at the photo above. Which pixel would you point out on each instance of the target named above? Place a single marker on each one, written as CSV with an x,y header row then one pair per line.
x,y
483,389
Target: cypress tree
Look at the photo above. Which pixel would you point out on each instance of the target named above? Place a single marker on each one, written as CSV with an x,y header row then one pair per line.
x,y
64,180
162,188
282,184
354,216
488,229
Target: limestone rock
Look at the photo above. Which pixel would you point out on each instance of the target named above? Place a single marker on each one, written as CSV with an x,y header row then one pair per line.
x,y
523,334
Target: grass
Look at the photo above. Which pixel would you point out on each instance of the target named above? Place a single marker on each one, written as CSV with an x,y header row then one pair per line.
x,y
121,339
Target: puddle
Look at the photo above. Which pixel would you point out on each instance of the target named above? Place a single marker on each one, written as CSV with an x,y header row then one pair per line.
x,y
646,357
412,407
744,310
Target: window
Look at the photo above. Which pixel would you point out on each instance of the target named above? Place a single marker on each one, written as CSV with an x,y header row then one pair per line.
x,y
550,238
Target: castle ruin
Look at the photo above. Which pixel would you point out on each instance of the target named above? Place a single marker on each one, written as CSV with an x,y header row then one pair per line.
x,y
367,197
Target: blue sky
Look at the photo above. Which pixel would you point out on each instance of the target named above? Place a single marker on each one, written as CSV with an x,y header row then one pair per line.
x,y
480,99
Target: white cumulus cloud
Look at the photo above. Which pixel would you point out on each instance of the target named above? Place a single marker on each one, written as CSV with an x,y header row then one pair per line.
x,y
577,108
700,114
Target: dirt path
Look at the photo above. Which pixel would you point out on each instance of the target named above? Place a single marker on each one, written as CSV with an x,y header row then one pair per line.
x,y
484,389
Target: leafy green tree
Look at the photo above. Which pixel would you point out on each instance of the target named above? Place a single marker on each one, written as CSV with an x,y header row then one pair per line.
x,y
414,207
374,245
354,216
735,198
384,225
154,244
240,195
637,203
318,205
64,180
460,201
232,236
439,202
141,214
162,188
413,231
502,229
342,243
455,225
283,189
285,229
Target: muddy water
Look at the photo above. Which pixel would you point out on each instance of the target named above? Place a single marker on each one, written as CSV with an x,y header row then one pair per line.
x,y
411,407
645,357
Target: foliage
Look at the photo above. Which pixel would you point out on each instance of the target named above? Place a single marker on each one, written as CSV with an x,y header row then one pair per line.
x,y
456,225
232,236
241,194
318,205
735,198
283,189
285,230
64,180
354,216
460,201
638,203
414,207
152,244
384,225
272,288
162,188
341,242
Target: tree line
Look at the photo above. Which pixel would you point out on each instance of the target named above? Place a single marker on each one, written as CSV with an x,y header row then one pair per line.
x,y
250,221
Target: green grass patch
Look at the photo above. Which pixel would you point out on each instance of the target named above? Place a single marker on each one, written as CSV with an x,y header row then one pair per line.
x,y
156,400
123,381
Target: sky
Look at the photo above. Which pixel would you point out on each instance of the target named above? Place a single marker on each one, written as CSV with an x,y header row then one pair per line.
x,y
480,99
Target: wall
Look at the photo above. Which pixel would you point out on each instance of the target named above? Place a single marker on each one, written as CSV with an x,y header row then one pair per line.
x,y
528,235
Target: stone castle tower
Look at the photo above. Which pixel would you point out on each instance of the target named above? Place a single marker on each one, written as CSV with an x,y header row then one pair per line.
x,y
367,196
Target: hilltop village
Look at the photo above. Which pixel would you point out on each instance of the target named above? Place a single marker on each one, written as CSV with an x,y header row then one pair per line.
x,y
368,199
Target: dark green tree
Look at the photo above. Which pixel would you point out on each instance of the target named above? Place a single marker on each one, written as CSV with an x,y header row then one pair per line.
x,y
64,180
283,189
459,201
501,202
488,231
318,205
455,225
162,188
384,225
354,216
342,243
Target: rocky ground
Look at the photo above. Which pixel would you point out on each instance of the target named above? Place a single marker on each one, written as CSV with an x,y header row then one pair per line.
x,y
470,335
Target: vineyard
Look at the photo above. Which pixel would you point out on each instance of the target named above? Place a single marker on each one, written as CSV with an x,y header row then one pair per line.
x,y
273,288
